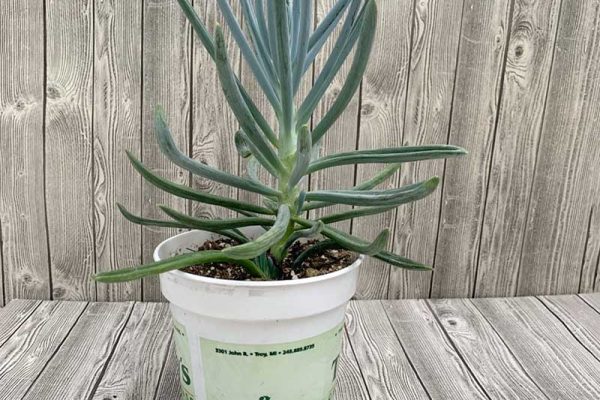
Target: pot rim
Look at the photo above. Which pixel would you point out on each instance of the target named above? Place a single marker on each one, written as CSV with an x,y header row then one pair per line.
x,y
251,284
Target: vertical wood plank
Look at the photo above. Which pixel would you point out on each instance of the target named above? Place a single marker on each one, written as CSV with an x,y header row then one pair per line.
x,y
1,268
538,340
22,212
526,77
166,82
75,368
433,66
435,360
475,106
117,127
386,368
25,355
382,121
69,160
342,135
492,363
213,123
134,368
590,281
565,186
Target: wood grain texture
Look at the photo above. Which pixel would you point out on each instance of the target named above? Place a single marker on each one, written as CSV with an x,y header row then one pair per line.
x,y
166,82
590,280
491,362
22,210
117,127
538,339
383,102
384,365
69,159
75,368
565,186
342,136
213,123
28,351
13,315
169,386
475,106
430,88
350,384
134,368
582,320
436,361
593,299
528,65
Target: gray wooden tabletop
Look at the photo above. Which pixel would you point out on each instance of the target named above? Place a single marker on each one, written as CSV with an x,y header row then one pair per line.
x,y
507,348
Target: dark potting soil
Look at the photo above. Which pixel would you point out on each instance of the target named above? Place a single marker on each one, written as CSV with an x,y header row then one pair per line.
x,y
322,263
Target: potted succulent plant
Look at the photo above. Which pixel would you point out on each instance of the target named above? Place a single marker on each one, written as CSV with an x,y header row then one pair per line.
x,y
258,301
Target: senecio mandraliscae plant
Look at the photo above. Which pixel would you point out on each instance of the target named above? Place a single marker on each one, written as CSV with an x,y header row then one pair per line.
x,y
280,46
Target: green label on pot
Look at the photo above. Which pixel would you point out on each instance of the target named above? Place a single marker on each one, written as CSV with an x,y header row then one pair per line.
x,y
182,348
292,371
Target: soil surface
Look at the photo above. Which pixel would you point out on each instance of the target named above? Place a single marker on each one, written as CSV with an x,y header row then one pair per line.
x,y
321,263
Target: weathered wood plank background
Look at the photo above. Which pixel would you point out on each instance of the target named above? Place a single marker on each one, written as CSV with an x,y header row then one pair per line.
x,y
516,82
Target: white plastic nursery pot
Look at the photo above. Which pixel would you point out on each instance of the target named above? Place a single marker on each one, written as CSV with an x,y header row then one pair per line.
x,y
239,340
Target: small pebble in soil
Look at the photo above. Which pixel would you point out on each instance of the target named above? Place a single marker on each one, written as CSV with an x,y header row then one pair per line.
x,y
323,263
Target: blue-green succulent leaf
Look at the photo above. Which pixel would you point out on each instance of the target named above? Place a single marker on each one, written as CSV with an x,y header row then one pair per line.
x,y
174,263
387,156
375,198
355,75
260,147
169,149
186,192
264,242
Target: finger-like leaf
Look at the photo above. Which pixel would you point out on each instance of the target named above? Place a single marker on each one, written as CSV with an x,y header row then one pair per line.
x,y
215,225
241,145
169,149
186,192
355,213
209,43
325,28
283,64
355,75
358,246
174,224
174,263
367,185
257,68
340,52
305,233
260,147
261,20
348,241
342,237
265,241
235,235
375,198
257,39
401,262
303,156
317,248
304,23
386,156
198,26
379,178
